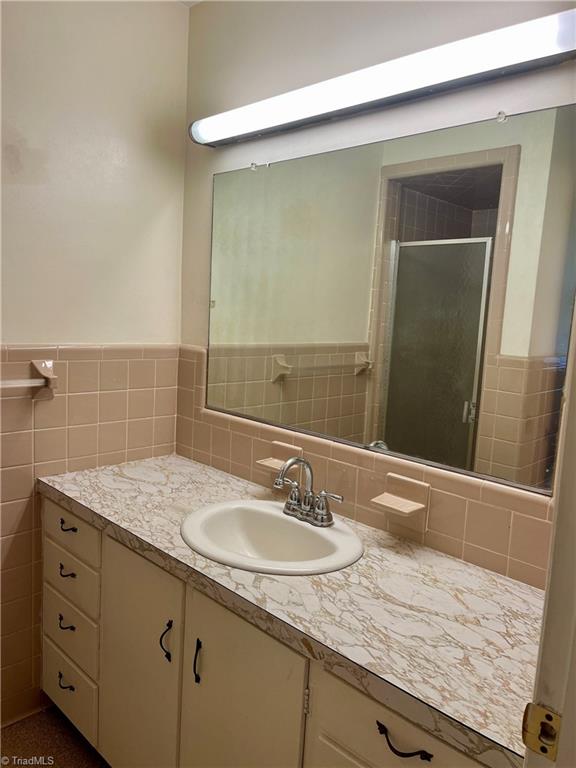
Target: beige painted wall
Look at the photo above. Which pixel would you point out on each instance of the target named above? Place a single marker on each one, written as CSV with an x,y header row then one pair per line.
x,y
298,237
554,294
248,51
94,143
293,246
93,99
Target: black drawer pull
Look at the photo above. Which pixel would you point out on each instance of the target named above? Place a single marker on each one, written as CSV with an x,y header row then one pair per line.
x,y
71,627
64,687
70,575
198,648
421,753
70,529
167,653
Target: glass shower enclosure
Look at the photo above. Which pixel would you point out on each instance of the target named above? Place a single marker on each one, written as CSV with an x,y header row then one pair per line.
x,y
435,339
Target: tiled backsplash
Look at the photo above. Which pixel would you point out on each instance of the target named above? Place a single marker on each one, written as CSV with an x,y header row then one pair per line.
x,y
501,528
321,392
112,404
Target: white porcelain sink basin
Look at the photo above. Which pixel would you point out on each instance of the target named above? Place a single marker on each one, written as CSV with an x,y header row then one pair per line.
x,y
258,536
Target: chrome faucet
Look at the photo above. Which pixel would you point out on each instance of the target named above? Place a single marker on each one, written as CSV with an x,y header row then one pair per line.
x,y
312,508
305,504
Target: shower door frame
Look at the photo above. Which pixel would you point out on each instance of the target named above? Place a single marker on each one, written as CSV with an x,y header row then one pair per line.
x,y
392,177
396,245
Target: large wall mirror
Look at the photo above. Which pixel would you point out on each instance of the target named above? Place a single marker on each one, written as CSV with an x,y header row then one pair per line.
x,y
412,296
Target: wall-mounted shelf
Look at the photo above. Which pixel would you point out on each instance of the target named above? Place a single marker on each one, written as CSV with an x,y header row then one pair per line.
x,y
281,369
47,378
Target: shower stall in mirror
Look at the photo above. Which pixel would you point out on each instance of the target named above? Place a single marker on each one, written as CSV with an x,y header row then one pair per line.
x,y
434,345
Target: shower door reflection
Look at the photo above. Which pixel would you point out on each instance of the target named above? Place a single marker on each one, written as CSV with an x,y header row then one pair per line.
x,y
435,339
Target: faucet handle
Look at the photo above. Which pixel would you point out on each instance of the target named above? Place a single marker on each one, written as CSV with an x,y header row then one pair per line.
x,y
294,494
321,515
292,505
281,481
324,495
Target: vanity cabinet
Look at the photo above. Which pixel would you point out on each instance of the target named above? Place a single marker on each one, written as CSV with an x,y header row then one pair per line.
x,y
242,693
141,655
342,731
156,674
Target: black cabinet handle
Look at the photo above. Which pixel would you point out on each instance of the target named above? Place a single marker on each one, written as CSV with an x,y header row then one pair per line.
x,y
167,653
71,627
70,529
198,648
64,687
70,575
421,753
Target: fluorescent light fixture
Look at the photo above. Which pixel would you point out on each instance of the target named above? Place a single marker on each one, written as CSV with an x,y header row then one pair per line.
x,y
536,43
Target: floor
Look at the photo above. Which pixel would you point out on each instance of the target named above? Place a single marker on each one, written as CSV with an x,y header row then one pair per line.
x,y
47,735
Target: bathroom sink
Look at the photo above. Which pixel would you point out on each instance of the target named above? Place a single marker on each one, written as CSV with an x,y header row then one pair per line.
x,y
258,536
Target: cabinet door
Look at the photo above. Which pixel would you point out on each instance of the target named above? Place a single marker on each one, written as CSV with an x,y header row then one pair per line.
x,y
342,731
245,706
139,682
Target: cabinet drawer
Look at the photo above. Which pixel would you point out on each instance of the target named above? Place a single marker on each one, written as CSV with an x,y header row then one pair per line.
x,y
82,588
342,732
78,537
79,703
71,630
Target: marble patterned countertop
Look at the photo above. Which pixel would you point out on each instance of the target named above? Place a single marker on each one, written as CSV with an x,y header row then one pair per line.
x,y
450,646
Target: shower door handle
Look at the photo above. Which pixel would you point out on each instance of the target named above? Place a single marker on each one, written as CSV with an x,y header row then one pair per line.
x,y
469,412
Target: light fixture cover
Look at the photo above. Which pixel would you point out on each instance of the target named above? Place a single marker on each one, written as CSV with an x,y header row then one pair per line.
x,y
536,43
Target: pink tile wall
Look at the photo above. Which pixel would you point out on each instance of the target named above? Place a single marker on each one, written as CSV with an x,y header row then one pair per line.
x,y
492,525
423,217
112,404
321,393
484,222
119,403
519,418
